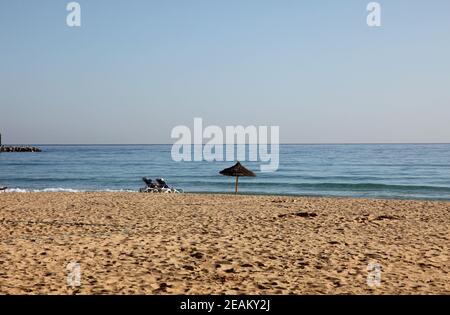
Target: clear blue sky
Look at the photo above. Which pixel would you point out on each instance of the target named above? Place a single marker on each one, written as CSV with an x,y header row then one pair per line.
x,y
136,69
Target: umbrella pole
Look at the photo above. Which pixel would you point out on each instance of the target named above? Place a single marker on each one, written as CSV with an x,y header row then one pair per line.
x,y
237,182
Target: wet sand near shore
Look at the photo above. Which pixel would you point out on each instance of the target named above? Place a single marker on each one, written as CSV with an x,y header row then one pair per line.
x,y
131,243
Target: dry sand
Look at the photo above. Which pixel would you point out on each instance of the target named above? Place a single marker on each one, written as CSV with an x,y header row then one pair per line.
x,y
130,243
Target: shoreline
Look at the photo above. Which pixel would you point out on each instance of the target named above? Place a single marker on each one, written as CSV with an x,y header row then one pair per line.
x,y
250,194
221,244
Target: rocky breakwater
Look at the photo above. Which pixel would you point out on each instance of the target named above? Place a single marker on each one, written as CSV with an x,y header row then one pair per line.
x,y
19,149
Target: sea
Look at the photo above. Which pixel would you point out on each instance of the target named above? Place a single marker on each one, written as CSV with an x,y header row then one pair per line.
x,y
390,171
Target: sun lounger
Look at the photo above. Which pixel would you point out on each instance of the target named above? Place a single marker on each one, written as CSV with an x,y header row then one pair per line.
x,y
160,186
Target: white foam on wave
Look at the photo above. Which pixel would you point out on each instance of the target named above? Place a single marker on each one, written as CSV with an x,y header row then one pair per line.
x,y
16,190
57,190
60,189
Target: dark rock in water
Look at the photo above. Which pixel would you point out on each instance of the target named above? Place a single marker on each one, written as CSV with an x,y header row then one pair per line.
x,y
19,149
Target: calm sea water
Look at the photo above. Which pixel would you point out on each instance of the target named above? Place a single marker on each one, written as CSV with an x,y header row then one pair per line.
x,y
370,171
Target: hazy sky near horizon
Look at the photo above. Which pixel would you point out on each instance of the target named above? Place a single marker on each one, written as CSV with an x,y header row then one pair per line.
x,y
136,69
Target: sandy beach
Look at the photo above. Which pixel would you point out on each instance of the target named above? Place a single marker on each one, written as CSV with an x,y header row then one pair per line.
x,y
131,243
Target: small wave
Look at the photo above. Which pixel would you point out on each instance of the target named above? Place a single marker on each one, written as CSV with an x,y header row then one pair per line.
x,y
319,186
324,186
22,190
59,189
376,187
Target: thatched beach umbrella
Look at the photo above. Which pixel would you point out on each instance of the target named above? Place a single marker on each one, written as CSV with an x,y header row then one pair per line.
x,y
237,170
